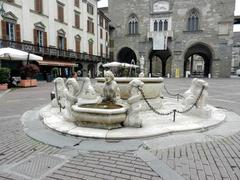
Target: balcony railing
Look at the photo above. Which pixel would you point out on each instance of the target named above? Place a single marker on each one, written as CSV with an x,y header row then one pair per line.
x,y
52,51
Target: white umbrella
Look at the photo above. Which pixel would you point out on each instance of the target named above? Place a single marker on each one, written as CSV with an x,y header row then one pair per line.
x,y
112,64
15,54
129,65
118,64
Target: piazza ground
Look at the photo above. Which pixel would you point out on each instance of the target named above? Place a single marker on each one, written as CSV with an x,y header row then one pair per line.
x,y
170,157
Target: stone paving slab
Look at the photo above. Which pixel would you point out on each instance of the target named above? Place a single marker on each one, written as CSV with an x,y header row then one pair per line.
x,y
215,159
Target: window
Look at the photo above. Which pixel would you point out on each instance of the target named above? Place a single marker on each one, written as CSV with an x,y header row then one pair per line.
x,y
77,19
106,24
90,26
38,6
78,43
160,25
101,21
10,31
133,25
60,12
106,51
76,3
90,9
193,21
90,47
107,36
155,26
165,25
101,50
61,42
101,33
40,37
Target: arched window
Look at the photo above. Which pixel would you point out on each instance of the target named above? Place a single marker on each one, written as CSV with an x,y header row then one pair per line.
x,y
193,21
165,25
155,25
133,25
160,25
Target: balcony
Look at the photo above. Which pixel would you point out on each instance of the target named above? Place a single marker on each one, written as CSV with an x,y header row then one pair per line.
x,y
53,52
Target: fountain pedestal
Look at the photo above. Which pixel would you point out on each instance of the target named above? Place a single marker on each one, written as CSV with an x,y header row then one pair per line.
x,y
102,115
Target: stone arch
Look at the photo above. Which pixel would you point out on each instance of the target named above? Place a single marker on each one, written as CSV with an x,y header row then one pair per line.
x,y
198,54
158,59
126,55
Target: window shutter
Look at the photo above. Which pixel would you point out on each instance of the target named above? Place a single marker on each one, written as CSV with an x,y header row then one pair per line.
x,y
35,37
40,6
77,41
65,43
4,30
18,32
92,27
45,39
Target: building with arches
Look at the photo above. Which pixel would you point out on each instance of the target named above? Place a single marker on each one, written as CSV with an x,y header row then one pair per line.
x,y
176,37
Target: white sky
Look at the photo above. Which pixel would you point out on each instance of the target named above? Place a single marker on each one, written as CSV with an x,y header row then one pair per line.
x,y
104,3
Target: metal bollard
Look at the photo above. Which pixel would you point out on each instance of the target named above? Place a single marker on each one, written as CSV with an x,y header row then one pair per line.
x,y
52,95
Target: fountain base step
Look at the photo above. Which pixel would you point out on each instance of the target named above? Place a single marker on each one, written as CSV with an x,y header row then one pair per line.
x,y
98,125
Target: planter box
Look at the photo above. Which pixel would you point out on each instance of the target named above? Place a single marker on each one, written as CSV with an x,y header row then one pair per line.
x,y
28,83
4,86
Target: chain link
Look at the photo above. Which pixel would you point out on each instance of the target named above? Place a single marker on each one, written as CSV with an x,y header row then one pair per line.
x,y
171,94
194,104
151,107
174,110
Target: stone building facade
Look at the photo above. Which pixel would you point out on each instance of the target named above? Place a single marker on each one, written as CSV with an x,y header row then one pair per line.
x,y
176,37
70,35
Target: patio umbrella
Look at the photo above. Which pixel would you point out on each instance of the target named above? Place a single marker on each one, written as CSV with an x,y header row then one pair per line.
x,y
112,64
118,64
15,54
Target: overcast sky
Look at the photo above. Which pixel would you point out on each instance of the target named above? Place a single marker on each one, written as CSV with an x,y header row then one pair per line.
x,y
104,3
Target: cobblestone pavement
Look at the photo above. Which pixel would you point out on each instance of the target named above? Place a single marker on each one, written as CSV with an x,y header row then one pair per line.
x,y
216,159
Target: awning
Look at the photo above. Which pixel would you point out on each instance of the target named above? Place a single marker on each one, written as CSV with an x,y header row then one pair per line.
x,y
56,63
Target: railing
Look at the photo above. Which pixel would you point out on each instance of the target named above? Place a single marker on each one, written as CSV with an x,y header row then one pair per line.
x,y
51,51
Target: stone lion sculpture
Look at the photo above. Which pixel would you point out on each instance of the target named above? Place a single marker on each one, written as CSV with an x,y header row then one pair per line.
x,y
191,95
133,118
111,91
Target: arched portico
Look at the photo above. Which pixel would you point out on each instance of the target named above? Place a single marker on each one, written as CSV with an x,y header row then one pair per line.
x,y
126,55
198,60
158,61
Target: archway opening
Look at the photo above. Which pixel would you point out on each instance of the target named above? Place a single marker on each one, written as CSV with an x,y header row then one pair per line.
x,y
126,55
158,62
198,61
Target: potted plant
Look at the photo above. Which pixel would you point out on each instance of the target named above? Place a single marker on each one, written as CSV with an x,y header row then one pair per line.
x,y
27,74
4,78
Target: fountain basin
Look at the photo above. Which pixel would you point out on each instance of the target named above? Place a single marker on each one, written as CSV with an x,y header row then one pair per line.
x,y
152,87
101,115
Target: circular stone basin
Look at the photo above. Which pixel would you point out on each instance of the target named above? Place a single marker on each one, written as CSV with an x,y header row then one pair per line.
x,y
103,115
152,86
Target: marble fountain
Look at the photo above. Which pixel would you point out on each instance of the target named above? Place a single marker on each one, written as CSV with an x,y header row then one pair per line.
x,y
126,108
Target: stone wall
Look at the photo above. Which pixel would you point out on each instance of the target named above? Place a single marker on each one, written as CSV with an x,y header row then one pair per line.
x,y
215,31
